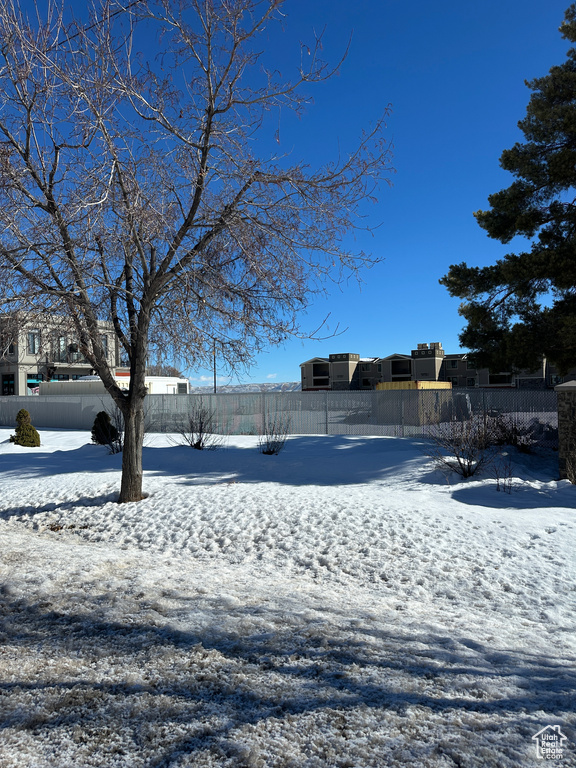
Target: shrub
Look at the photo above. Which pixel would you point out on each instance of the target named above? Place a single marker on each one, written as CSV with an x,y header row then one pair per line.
x,y
274,433
503,475
106,433
464,447
26,434
503,429
200,429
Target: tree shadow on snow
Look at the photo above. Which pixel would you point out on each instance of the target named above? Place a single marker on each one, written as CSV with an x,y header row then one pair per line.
x,y
26,511
305,460
521,496
36,463
161,693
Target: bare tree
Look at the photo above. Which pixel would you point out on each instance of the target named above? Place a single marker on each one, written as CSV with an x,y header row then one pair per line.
x,y
134,186
163,370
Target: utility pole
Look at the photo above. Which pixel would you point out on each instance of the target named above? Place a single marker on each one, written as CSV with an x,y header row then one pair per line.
x,y
214,361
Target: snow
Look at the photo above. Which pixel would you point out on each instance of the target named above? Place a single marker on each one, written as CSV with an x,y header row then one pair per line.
x,y
341,604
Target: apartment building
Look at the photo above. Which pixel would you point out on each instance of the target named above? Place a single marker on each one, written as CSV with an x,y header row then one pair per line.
x,y
428,362
41,349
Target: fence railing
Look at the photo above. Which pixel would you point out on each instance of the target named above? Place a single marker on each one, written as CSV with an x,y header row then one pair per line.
x,y
398,413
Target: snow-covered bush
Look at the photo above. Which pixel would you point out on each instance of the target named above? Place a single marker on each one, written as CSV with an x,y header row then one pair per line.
x,y
26,434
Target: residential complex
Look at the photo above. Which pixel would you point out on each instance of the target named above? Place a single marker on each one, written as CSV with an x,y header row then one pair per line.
x,y
428,362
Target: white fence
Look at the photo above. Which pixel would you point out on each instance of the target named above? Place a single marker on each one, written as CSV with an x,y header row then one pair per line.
x,y
400,413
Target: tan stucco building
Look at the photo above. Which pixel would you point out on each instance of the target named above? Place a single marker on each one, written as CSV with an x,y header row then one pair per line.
x,y
34,350
428,362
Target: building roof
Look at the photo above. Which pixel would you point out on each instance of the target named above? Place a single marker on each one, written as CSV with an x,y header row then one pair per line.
x,y
315,360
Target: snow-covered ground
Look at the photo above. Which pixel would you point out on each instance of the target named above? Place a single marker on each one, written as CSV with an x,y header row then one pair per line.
x,y
342,604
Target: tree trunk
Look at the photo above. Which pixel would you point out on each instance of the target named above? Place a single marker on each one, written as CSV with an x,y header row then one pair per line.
x,y
131,486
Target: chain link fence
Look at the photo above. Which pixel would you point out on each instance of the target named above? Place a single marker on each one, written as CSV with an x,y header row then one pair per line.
x,y
396,413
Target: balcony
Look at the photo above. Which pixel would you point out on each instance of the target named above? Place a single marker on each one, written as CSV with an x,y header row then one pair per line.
x,y
69,356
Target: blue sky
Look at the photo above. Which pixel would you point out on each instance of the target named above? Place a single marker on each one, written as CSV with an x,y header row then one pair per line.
x,y
454,74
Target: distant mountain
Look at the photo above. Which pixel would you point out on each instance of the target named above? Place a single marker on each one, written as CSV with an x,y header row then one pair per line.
x,y
235,389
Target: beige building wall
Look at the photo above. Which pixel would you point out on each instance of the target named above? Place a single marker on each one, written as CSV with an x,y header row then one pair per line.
x,y
343,369
315,374
427,361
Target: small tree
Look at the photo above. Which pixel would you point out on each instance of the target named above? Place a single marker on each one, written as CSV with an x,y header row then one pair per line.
x,y
26,434
106,433
163,370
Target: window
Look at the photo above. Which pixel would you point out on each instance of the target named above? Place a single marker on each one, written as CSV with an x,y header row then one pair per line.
x,y
59,349
6,346
401,367
379,367
365,367
366,383
74,354
453,363
8,384
471,382
104,342
33,345
182,388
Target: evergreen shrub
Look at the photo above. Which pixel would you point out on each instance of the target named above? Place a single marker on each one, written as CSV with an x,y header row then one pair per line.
x,y
26,434
103,431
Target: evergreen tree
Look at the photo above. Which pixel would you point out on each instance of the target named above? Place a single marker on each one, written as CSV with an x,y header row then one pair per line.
x,y
524,306
103,431
26,434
